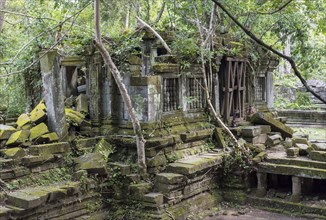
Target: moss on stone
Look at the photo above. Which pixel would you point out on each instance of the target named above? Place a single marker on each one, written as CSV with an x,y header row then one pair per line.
x,y
18,137
22,120
6,132
38,131
13,153
38,116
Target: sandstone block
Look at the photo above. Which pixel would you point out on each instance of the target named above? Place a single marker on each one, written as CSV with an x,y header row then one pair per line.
x,y
38,116
260,139
82,103
13,153
40,107
18,137
92,162
319,146
292,152
158,160
23,120
30,160
273,140
124,169
38,131
303,149
318,155
6,132
219,137
155,198
53,148
140,189
251,131
47,138
265,129
24,200
170,178
276,125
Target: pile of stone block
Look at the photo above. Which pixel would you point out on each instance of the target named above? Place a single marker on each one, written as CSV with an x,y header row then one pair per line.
x,y
77,114
29,147
255,134
59,201
30,129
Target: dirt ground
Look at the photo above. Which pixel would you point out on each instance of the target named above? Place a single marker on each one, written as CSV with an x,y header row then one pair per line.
x,y
247,213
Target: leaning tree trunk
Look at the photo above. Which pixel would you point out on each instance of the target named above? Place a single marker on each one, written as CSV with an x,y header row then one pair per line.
x,y
140,141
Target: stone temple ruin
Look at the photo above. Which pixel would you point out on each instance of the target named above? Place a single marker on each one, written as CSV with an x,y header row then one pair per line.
x,y
79,140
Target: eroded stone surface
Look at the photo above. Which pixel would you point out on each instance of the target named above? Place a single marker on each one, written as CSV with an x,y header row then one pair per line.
x,y
38,131
18,137
92,162
6,131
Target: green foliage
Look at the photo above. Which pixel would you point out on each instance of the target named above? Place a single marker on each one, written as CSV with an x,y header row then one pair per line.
x,y
238,159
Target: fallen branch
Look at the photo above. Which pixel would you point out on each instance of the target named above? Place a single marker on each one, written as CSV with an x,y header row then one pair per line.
x,y
260,42
156,34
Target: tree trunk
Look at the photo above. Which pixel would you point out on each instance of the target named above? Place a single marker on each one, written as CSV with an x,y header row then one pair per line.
x,y
140,141
2,15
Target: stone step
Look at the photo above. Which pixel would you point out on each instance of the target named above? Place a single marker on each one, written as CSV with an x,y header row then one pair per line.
x,y
280,158
33,197
318,155
292,170
196,163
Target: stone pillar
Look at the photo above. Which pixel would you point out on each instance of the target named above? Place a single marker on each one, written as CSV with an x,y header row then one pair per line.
x,y
269,90
296,189
53,92
93,91
261,184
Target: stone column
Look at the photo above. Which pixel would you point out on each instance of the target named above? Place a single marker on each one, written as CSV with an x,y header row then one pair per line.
x,y
93,90
261,184
296,189
53,92
269,90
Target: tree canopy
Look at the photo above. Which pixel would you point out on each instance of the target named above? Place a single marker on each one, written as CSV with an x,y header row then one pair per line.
x,y
29,26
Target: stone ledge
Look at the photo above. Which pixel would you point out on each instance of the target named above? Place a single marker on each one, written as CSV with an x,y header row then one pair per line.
x,y
292,170
54,148
195,164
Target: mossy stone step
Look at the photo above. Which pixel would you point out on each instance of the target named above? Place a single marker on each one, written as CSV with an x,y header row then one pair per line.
x,y
53,148
292,170
318,155
34,197
138,190
195,164
13,153
280,158
170,178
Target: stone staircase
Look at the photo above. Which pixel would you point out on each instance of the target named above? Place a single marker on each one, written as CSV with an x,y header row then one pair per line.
x,y
186,186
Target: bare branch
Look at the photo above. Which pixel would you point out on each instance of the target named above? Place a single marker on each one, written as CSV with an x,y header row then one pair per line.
x,y
277,10
158,18
156,34
260,42
25,15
